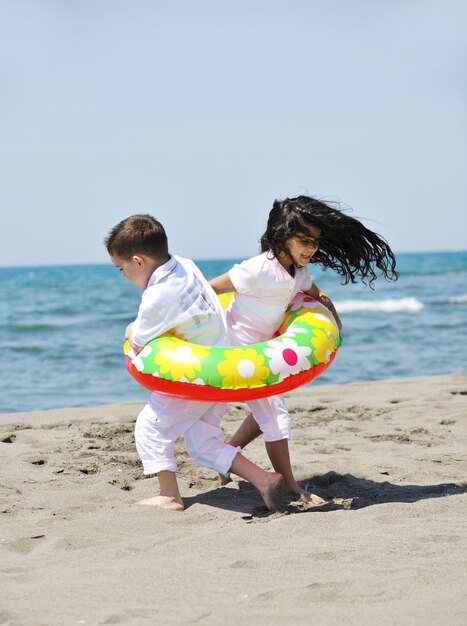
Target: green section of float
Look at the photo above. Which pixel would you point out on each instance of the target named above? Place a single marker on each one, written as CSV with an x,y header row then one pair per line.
x,y
308,336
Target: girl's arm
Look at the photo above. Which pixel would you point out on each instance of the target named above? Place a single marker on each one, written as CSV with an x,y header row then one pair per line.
x,y
222,284
315,292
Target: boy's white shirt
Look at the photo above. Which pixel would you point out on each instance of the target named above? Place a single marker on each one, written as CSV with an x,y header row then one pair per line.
x,y
264,291
179,299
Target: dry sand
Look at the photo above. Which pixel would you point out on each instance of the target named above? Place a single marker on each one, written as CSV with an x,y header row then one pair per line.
x,y
390,549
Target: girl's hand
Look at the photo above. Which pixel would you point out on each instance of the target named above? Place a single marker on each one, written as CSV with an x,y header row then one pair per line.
x,y
315,292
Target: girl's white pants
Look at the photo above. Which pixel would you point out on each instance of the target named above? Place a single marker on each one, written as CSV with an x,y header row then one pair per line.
x,y
164,419
272,417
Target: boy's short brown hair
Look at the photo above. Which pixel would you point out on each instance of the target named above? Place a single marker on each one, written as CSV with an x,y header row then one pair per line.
x,y
138,234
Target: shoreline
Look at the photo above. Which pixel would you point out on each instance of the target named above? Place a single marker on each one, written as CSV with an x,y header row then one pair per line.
x,y
390,548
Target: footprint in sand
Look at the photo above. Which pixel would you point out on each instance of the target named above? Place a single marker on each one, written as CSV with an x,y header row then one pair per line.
x,y
25,545
244,565
130,615
7,617
9,439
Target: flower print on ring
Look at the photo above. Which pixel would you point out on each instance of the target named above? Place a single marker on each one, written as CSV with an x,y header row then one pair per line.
x,y
179,361
243,367
287,357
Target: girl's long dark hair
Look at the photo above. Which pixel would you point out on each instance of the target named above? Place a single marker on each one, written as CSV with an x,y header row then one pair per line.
x,y
346,245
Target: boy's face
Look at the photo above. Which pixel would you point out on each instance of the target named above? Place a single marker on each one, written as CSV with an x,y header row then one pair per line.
x,y
138,269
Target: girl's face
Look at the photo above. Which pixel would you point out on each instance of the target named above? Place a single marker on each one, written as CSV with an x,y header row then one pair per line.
x,y
301,248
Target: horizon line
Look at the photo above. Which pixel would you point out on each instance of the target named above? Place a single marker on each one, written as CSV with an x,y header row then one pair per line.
x,y
196,260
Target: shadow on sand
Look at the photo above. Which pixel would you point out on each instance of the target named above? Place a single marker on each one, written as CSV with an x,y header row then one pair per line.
x,y
342,492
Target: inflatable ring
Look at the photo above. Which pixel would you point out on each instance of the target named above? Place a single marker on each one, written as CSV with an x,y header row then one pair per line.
x,y
303,347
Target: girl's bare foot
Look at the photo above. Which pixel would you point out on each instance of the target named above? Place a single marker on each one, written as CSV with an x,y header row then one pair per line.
x,y
312,498
164,502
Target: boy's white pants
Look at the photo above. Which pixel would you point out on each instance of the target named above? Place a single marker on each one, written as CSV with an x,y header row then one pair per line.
x,y
272,417
164,419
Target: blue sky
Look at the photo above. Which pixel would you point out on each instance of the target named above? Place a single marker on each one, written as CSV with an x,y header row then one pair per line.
x,y
202,113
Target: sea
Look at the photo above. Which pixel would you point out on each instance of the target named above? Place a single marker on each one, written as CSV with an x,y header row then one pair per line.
x,y
62,328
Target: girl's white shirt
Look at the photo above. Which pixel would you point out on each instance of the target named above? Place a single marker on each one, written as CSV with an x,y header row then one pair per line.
x,y
264,290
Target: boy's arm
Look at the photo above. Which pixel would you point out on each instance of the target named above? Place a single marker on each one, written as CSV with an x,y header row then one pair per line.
x,y
222,284
315,292
129,338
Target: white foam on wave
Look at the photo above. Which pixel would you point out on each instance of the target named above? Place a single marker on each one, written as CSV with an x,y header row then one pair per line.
x,y
390,305
458,299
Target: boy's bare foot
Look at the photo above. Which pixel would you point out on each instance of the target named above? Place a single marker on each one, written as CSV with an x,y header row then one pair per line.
x,y
164,502
312,498
273,492
224,480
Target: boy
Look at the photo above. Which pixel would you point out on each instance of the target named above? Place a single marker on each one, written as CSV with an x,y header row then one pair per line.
x,y
177,298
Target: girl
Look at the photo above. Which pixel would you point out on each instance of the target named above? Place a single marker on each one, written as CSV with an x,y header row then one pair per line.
x,y
299,231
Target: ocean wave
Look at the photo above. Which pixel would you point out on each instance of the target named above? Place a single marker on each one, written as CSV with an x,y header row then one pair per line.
x,y
458,299
461,299
424,271
389,305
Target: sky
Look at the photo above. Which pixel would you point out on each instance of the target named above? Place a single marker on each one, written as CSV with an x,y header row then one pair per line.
x,y
203,113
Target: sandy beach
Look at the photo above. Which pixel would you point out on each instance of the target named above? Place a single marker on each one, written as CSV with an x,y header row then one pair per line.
x,y
390,548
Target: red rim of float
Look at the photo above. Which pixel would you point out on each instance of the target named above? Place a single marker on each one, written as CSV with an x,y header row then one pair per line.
x,y
207,393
